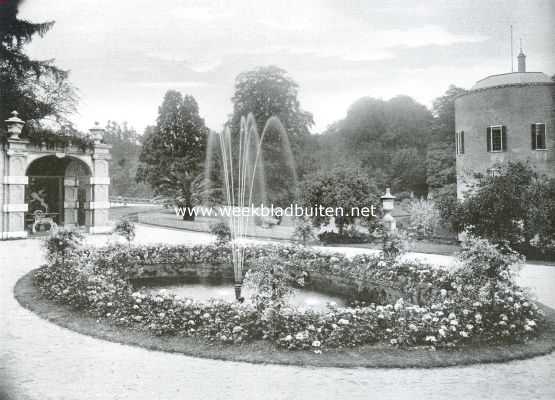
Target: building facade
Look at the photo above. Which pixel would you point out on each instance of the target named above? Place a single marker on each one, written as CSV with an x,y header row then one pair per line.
x,y
505,117
43,186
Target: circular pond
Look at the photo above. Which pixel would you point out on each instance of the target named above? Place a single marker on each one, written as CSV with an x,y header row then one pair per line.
x,y
304,299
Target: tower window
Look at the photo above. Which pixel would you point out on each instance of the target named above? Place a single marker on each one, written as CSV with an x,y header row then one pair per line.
x,y
496,137
459,142
538,137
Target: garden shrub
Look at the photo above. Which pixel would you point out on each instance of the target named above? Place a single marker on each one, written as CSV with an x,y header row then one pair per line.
x,y
349,234
343,188
485,287
425,218
477,303
221,231
303,230
273,280
396,243
126,229
517,205
60,243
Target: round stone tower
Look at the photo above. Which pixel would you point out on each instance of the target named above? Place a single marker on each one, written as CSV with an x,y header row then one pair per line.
x,y
505,117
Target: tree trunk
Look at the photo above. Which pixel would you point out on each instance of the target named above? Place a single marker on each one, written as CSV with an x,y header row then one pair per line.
x,y
188,213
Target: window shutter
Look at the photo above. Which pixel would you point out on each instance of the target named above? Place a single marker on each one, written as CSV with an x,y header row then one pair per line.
x,y
488,139
540,137
533,130
462,142
504,137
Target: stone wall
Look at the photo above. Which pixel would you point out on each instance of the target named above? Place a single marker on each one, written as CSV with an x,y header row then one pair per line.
x,y
184,272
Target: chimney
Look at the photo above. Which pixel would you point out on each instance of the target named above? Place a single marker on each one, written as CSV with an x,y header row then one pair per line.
x,y
521,60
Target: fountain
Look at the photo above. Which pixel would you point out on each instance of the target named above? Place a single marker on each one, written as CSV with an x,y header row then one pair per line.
x,y
243,177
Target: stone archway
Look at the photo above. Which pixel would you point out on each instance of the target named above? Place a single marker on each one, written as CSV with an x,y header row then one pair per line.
x,y
76,180
57,192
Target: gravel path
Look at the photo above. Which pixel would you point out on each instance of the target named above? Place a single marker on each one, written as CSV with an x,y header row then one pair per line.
x,y
39,360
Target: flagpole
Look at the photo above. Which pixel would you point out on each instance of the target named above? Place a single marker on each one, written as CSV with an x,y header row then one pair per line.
x,y
512,63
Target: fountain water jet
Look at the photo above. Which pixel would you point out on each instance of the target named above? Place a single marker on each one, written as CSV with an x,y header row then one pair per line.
x,y
242,175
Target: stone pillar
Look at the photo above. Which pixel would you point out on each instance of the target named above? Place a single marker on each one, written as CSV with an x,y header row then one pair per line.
x,y
13,189
71,188
13,168
98,201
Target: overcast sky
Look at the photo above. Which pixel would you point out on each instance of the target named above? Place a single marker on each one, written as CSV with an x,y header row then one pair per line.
x,y
125,54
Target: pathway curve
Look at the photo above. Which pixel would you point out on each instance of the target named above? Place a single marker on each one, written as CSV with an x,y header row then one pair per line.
x,y
39,360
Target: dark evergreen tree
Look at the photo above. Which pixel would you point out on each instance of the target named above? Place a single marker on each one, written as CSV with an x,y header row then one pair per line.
x,y
174,150
36,89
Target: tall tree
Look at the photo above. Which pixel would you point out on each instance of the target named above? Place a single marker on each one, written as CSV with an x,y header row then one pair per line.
x,y
266,92
440,164
385,139
37,89
173,150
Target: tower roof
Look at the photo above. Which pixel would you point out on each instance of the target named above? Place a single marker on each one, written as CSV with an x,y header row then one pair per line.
x,y
512,78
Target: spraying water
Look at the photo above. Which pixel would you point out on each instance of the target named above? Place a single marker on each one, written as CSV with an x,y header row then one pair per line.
x,y
244,180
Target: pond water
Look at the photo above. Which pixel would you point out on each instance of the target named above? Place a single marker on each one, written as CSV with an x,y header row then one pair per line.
x,y
302,298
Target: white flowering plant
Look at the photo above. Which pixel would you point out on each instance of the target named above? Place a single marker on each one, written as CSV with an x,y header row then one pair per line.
x,y
426,306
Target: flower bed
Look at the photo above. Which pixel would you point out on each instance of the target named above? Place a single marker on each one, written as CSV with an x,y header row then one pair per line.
x,y
478,303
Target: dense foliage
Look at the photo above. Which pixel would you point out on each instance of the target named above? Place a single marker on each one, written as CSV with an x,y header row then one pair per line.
x,y
425,220
385,140
221,231
398,143
126,229
174,150
478,303
440,159
38,90
270,92
303,232
125,151
61,243
516,206
340,188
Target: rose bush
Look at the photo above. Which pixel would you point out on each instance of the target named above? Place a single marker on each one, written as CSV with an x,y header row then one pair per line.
x,y
476,303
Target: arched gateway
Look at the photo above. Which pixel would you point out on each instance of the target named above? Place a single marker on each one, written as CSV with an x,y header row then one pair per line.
x,y
42,186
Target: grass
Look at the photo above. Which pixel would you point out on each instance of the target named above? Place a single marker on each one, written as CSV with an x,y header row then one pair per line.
x,y
166,218
116,213
419,246
376,356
